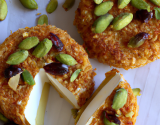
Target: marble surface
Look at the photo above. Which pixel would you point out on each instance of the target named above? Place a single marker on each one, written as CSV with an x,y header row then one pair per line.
x,y
58,110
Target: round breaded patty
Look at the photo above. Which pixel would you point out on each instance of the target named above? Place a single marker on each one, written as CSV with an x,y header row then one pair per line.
x,y
110,46
82,87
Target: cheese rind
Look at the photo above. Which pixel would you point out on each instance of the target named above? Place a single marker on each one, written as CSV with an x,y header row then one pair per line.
x,y
99,99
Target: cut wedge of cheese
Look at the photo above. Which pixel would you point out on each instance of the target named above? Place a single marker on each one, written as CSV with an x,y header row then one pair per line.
x,y
98,100
35,109
64,92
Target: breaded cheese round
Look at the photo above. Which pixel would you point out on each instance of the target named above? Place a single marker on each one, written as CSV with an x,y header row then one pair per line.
x,y
110,46
121,114
82,87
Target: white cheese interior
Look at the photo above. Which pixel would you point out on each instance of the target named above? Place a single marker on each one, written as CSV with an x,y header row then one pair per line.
x,y
63,91
99,100
34,98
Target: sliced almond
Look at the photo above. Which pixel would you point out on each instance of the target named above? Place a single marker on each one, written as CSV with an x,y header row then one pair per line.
x,y
13,81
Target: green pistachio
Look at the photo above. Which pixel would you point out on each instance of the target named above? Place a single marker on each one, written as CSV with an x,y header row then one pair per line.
x,y
52,6
3,9
123,3
75,75
87,51
130,114
74,113
102,23
156,2
27,77
17,57
98,1
140,4
107,122
136,91
3,118
42,48
68,4
103,8
157,13
66,59
122,20
138,40
30,4
29,43
120,98
43,20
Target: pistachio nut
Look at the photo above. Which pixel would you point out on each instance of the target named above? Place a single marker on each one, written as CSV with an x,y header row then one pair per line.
x,y
107,122
120,98
136,91
43,20
17,57
87,51
102,23
123,3
3,118
27,77
74,113
122,20
138,40
3,9
30,4
98,1
157,13
156,2
103,8
68,4
66,59
42,48
29,43
75,75
52,6
140,4
130,114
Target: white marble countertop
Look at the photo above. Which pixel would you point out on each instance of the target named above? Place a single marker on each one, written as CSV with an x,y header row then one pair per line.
x,y
58,110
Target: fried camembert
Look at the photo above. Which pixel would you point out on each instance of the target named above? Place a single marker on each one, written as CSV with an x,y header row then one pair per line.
x,y
123,34
113,103
22,55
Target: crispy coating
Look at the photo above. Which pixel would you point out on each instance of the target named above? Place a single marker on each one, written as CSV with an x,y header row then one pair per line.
x,y
110,46
131,104
12,103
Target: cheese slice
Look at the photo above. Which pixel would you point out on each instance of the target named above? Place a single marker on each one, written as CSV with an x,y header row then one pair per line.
x,y
98,100
66,94
35,109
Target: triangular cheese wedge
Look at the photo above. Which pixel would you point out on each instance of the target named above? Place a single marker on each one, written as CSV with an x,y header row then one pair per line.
x,y
102,100
64,92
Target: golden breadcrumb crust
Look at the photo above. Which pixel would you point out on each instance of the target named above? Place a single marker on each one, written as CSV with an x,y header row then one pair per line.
x,y
12,103
131,104
110,46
